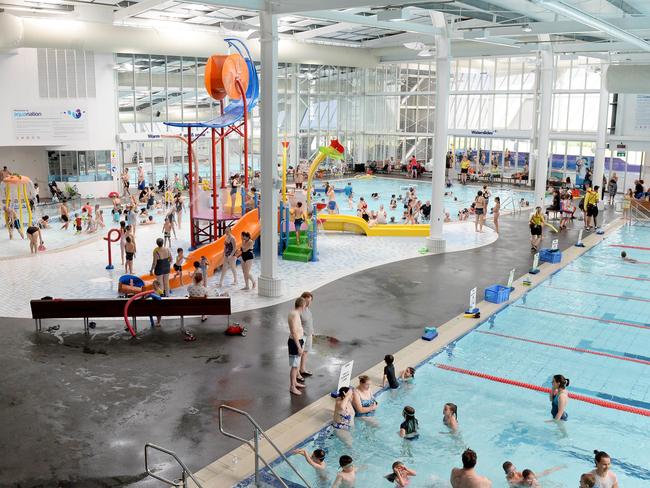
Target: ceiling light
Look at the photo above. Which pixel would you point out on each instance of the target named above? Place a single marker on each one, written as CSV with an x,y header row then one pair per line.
x,y
527,28
562,8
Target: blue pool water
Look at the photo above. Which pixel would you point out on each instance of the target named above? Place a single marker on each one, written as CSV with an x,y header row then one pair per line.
x,y
464,195
502,422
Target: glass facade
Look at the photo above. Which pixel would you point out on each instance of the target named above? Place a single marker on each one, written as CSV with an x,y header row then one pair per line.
x,y
79,166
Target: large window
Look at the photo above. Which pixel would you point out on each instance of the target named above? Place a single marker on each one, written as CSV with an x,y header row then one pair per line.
x,y
74,166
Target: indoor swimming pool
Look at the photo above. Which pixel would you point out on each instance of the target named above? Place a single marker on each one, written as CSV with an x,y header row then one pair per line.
x,y
590,322
459,196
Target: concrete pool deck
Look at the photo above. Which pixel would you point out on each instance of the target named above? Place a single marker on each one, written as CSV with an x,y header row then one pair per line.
x,y
238,464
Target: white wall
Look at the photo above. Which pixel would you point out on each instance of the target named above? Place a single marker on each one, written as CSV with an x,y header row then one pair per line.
x,y
28,161
636,138
19,82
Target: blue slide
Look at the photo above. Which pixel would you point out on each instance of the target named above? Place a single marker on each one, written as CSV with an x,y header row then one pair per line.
x,y
234,111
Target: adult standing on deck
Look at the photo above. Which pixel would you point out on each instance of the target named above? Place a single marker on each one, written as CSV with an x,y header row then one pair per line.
x,y
125,182
467,477
161,264
307,321
141,184
464,169
295,345
480,206
612,188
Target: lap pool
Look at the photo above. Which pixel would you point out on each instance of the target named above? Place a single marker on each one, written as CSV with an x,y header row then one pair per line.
x,y
462,195
590,322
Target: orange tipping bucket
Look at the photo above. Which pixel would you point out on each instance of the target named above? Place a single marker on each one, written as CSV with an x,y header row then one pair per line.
x,y
221,73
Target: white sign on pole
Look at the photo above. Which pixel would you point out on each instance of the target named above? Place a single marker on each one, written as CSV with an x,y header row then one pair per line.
x,y
536,261
472,299
511,277
580,237
345,376
555,244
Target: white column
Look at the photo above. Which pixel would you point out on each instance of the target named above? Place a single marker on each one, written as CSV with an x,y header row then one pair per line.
x,y
269,284
436,241
544,129
601,135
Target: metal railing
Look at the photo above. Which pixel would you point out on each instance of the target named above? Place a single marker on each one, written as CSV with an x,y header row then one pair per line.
x,y
184,475
640,212
255,446
510,203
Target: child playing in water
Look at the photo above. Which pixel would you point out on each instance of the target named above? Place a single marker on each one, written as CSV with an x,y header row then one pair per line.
x,y
408,374
400,474
168,228
78,224
393,202
178,264
450,416
129,252
204,269
409,428
346,477
316,460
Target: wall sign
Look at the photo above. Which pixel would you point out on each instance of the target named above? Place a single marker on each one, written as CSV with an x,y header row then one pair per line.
x,y
36,126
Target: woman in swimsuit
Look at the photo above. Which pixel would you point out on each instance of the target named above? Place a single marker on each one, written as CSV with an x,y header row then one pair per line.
x,y
479,210
35,238
229,257
604,477
450,416
343,420
178,208
161,264
363,400
247,256
559,397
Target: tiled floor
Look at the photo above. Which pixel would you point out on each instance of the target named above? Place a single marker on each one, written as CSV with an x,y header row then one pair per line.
x,y
80,271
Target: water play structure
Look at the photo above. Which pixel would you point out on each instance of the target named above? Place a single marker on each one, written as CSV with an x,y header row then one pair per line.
x,y
18,190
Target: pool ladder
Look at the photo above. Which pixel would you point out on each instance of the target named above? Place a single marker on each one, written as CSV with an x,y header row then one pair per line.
x,y
509,202
258,434
640,212
185,472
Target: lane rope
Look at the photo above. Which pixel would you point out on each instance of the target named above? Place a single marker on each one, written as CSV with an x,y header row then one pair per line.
x,y
542,389
623,297
567,348
587,317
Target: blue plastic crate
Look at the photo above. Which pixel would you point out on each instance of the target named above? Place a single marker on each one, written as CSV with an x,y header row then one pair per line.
x,y
497,294
550,256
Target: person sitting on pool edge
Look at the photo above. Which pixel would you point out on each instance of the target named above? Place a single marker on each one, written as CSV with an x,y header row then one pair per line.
x,y
389,372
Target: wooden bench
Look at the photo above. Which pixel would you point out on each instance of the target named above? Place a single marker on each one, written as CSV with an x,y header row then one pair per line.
x,y
114,307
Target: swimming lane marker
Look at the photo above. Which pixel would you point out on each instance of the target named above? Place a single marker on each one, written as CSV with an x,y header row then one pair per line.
x,y
542,389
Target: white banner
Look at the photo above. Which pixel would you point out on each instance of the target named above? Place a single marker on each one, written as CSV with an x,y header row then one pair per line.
x,y
50,126
472,299
511,277
345,376
536,261
555,244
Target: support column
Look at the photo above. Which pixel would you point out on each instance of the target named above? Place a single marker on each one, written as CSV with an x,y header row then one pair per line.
x,y
544,129
601,134
436,242
269,284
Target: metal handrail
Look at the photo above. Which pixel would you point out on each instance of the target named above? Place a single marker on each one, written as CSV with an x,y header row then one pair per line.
x,y
638,212
185,469
255,445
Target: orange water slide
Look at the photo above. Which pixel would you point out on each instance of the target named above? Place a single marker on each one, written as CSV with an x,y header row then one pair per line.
x,y
213,251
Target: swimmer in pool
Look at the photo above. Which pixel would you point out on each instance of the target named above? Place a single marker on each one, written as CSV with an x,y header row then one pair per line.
x,y
559,397
374,196
450,416
408,374
393,202
346,477
316,460
605,477
627,259
517,478
409,428
400,475
529,478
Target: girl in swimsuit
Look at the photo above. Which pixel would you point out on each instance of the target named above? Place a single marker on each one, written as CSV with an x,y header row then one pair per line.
x,y
559,397
179,206
400,474
161,264
605,478
409,428
247,256
229,257
450,416
363,401
343,420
